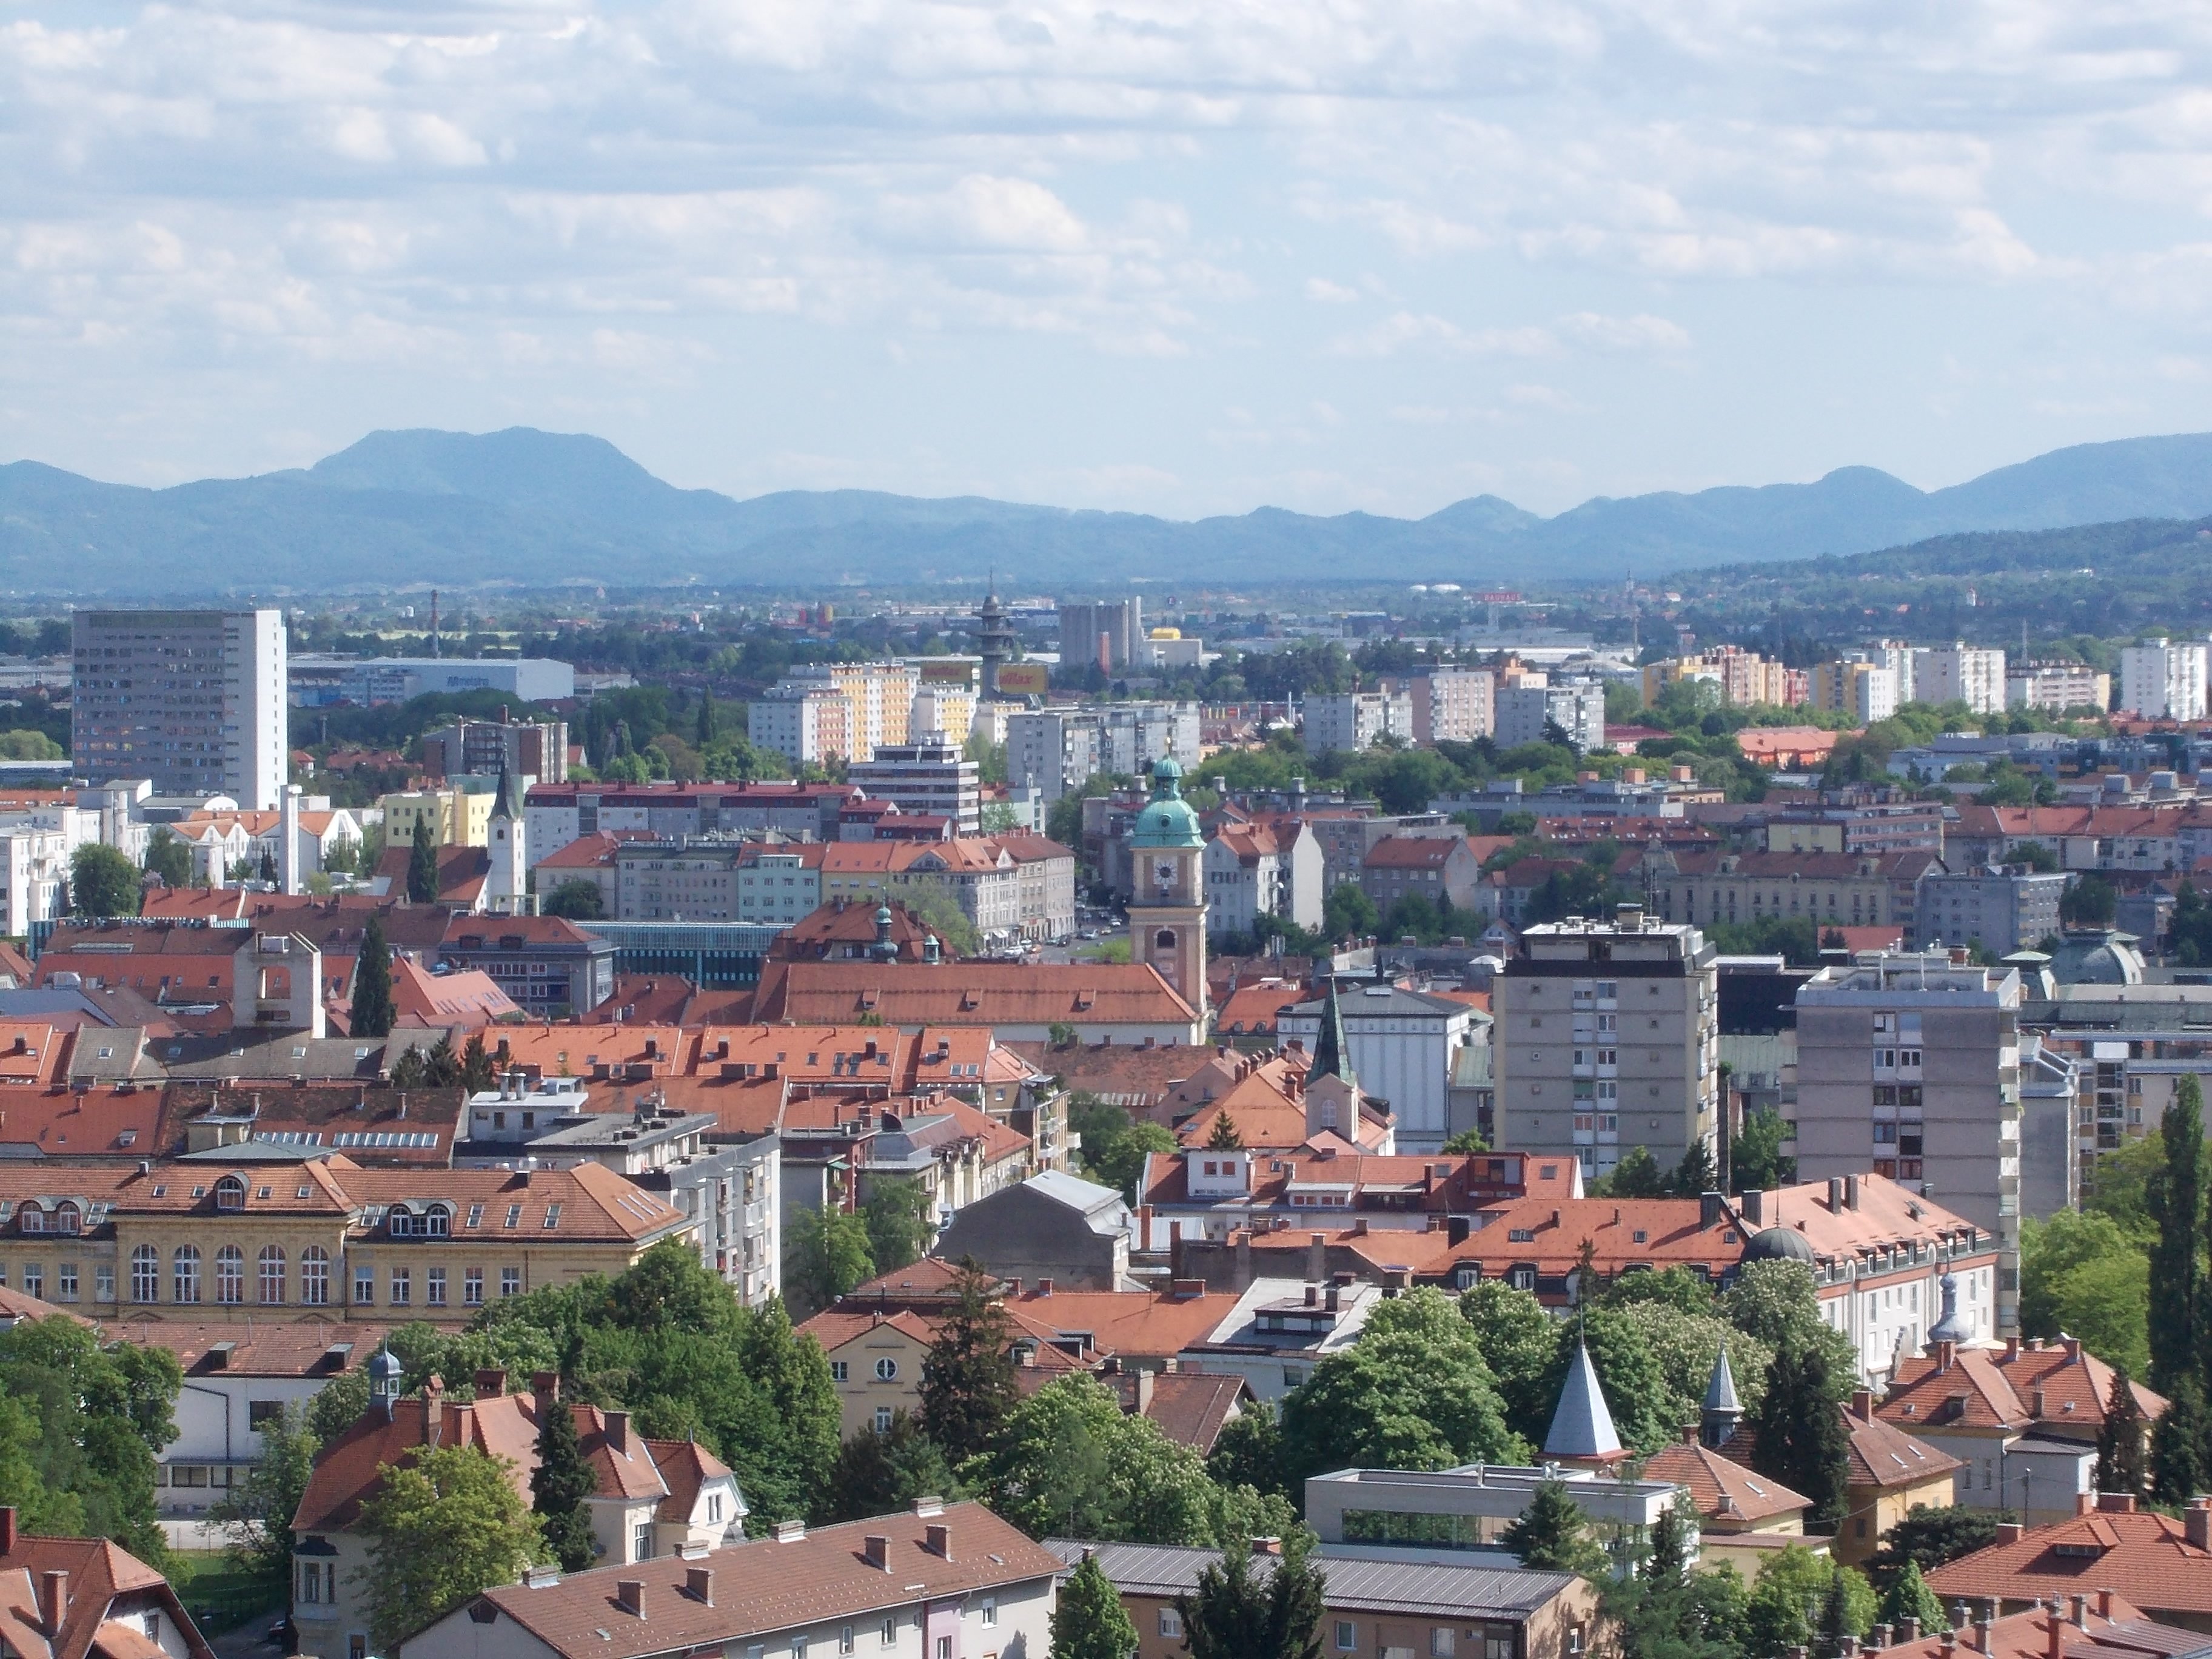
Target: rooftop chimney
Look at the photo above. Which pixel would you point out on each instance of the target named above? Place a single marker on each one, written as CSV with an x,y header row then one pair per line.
x,y
940,1540
53,1599
790,1532
699,1584
2080,1607
1862,1404
2198,1519
1835,1194
630,1596
490,1384
2010,1532
877,1550
1981,1635
618,1433
7,1529
2103,1603
2057,1648
1908,1632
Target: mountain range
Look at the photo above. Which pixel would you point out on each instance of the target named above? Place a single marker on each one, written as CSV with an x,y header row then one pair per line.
x,y
538,509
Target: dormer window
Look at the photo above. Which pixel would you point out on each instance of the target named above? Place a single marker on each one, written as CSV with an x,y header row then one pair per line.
x,y
34,1218
67,1218
230,1193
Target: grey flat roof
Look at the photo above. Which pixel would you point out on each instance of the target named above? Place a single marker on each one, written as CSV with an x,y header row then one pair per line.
x,y
1410,1586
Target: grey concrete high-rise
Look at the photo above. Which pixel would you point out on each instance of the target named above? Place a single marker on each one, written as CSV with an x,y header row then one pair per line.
x,y
1607,1036
1117,625
1910,1065
194,699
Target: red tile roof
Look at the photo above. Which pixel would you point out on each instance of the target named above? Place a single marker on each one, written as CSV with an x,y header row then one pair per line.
x,y
969,993
2060,1385
98,1572
1189,1407
2111,1628
1728,1496
2144,1557
774,1585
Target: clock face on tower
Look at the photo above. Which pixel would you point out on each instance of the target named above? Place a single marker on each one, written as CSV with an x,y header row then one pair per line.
x,y
1163,874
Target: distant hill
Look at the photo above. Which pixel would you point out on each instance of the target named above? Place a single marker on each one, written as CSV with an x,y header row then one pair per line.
x,y
538,508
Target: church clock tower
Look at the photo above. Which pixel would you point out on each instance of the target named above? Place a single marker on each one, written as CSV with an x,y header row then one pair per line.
x,y
1167,907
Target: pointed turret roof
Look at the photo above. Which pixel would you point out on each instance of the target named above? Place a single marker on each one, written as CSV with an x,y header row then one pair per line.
x,y
1332,1054
1582,1427
505,803
1720,1391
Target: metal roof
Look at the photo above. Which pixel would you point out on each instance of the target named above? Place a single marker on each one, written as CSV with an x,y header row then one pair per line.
x,y
1582,1426
1404,1587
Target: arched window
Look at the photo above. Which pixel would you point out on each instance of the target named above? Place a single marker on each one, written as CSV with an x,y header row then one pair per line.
x,y
230,1275
315,1276
273,1273
185,1264
230,1193
33,1218
1164,940
68,1218
145,1273
437,1221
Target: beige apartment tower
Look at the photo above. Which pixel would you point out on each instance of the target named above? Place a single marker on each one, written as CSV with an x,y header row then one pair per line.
x,y
1608,1037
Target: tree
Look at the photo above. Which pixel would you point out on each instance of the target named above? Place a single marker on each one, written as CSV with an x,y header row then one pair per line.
x,y
373,1012
1089,1621
1636,1175
476,1073
1224,1136
1248,1452
256,1514
560,1487
2175,1198
1635,1388
1778,1302
896,1213
423,864
1517,1338
877,1473
102,881
1348,914
168,857
1114,1147
1756,1163
1654,1613
1234,1614
2180,1466
1796,1595
1928,1537
576,898
1466,1141
1413,1393
1551,1535
438,1531
967,1379
2081,1274
1695,1176
1909,1597
2089,902
1799,1437
826,1255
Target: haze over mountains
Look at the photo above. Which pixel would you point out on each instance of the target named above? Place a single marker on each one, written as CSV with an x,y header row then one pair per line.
x,y
537,508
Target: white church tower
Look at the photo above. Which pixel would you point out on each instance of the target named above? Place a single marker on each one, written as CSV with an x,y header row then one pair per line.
x,y
507,883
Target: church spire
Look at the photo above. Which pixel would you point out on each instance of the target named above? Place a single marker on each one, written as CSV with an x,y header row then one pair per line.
x,y
1332,1054
1582,1428
1723,1411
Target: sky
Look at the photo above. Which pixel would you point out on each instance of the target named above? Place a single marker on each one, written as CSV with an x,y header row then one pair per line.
x,y
1187,256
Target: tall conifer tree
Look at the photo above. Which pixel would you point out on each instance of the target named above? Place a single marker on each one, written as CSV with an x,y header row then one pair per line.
x,y
423,866
2120,1443
372,984
559,1486
2175,1195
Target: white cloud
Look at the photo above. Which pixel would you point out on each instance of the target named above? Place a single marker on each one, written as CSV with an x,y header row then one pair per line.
x,y
1642,332
1328,292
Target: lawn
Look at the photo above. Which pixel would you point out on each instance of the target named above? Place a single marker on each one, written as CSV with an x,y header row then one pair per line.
x,y
219,1596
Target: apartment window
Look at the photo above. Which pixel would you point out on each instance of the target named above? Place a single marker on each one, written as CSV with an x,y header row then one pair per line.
x,y
889,1631
230,1275
1443,1642
103,1282
510,1281
839,1370
186,1272
35,1279
1347,1636
435,1290
67,1281
472,1288
364,1286
845,1639
887,1371
402,1286
1170,1623
883,1420
943,1647
640,1543
272,1274
990,1609
314,1276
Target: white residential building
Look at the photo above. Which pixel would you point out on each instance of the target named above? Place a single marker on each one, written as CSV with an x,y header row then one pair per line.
x,y
1858,686
2163,679
1453,705
1353,720
2057,686
1576,707
35,864
1910,1063
1253,870
1055,750
1960,672
804,724
194,699
931,773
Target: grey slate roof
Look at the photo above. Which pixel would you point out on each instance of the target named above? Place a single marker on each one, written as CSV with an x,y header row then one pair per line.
x,y
1102,1206
1408,1586
1582,1426
1720,1391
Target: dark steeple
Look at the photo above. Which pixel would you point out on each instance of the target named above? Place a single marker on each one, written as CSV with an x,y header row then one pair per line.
x,y
1332,1054
505,802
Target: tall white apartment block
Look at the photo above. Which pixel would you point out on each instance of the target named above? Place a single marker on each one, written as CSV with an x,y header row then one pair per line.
x,y
804,723
1960,672
2163,679
880,697
195,700
2057,686
1607,1036
1054,750
1576,707
1352,720
1453,705
1857,685
1909,1066
947,708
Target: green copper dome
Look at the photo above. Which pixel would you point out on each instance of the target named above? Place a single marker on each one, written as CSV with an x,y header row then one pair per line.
x,y
1167,819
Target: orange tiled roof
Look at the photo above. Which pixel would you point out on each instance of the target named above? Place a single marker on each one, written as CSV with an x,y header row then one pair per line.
x,y
2144,1557
1728,1495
